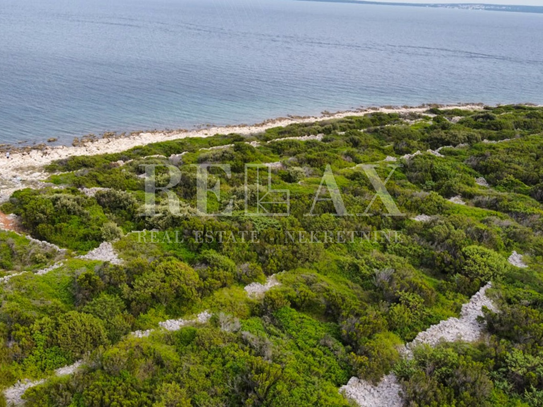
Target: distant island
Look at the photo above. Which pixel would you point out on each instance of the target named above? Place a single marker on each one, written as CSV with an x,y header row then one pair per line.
x,y
460,6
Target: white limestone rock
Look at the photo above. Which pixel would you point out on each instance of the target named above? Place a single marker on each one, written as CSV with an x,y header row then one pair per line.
x,y
482,182
256,290
435,153
410,156
177,324
14,393
142,334
465,328
422,218
517,260
91,192
457,200
365,394
45,244
274,166
68,370
104,252
318,137
8,277
46,270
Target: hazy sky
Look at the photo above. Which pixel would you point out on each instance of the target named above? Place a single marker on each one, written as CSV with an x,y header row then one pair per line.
x,y
509,2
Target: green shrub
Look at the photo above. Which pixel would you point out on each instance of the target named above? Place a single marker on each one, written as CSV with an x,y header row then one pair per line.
x,y
80,333
483,264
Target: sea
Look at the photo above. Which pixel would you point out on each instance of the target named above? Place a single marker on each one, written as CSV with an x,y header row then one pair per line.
x,y
73,67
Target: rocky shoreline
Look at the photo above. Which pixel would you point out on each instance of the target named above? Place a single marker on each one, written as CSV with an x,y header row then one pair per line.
x,y
24,167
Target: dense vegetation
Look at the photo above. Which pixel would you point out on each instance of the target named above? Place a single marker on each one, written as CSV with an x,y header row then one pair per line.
x,y
343,307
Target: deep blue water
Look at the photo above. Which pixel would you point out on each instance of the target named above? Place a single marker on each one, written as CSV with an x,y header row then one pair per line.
x,y
70,67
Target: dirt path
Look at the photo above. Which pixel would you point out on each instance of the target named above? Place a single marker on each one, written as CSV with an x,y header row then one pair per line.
x,y
8,222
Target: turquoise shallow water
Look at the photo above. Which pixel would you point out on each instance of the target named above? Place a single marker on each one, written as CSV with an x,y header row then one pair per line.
x,y
73,67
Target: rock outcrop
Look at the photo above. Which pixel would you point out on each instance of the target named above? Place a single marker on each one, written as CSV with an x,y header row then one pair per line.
x,y
457,200
466,328
15,393
517,260
422,218
104,252
256,290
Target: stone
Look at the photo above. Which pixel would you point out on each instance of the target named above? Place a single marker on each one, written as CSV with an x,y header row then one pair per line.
x,y
256,290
